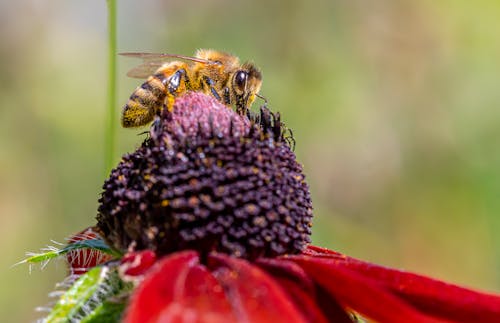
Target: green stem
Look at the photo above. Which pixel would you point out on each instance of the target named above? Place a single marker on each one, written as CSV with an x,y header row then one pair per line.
x,y
111,114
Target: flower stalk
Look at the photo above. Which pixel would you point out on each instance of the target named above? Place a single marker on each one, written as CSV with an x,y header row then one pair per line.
x,y
109,148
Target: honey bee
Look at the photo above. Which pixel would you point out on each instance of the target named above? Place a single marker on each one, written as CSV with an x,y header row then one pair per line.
x,y
209,71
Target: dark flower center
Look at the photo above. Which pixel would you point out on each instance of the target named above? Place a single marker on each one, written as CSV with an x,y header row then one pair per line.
x,y
209,179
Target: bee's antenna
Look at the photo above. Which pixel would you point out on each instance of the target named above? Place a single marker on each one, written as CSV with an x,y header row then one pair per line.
x,y
262,97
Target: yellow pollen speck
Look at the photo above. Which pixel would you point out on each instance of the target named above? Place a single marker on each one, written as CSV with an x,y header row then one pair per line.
x,y
219,163
165,203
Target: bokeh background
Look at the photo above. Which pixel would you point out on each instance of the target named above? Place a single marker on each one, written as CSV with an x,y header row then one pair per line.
x,y
394,105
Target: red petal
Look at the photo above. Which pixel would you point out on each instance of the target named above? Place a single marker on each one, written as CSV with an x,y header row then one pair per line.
x,y
179,289
361,294
332,308
137,263
294,280
254,295
429,295
315,250
80,260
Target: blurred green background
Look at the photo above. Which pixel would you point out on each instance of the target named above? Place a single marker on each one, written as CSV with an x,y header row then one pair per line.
x,y
394,106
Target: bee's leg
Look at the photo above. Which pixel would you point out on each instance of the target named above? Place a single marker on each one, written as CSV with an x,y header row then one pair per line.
x,y
155,128
227,96
241,109
290,139
211,84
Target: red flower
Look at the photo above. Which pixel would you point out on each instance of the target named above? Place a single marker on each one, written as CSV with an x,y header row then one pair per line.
x,y
318,285
213,215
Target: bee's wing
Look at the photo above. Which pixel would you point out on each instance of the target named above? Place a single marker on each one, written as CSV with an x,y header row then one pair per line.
x,y
144,70
153,61
157,57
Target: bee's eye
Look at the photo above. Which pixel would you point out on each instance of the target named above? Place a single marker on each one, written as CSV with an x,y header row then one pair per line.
x,y
240,80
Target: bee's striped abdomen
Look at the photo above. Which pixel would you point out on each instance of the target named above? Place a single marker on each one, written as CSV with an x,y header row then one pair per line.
x,y
155,84
145,102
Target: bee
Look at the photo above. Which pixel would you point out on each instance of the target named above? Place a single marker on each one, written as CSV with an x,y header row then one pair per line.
x,y
213,72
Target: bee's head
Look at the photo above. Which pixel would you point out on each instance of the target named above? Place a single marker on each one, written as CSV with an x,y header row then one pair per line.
x,y
246,82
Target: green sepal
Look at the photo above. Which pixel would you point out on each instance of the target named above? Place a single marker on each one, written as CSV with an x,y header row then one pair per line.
x,y
93,244
85,300
109,312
